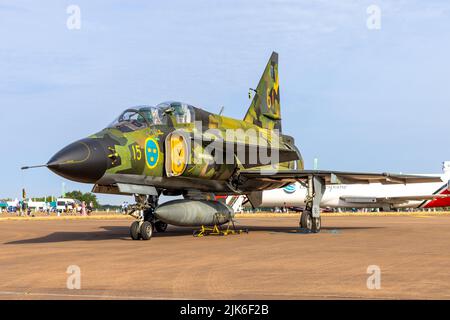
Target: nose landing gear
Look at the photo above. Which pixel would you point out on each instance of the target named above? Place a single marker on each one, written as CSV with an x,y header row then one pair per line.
x,y
146,222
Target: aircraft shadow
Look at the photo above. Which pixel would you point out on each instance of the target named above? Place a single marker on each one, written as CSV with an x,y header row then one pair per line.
x,y
294,229
122,233
107,233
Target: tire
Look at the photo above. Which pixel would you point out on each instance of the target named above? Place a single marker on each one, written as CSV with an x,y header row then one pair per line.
x,y
300,223
160,226
302,217
146,230
306,221
135,231
316,224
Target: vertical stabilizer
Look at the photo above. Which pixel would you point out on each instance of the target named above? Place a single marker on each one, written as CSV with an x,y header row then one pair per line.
x,y
264,110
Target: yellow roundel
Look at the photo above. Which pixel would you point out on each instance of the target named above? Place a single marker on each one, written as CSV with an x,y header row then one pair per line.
x,y
178,154
151,152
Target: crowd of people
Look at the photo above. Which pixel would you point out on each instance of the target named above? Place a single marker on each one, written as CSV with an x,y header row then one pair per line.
x,y
82,209
21,208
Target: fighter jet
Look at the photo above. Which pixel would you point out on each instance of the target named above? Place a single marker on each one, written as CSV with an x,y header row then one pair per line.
x,y
176,149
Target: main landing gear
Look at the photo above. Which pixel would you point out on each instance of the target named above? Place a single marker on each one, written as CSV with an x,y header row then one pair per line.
x,y
310,220
145,225
309,223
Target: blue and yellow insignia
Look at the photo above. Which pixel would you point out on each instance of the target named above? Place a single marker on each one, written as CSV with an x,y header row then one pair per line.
x,y
151,152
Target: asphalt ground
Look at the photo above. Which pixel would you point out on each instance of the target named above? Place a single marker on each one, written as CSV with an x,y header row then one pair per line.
x,y
272,261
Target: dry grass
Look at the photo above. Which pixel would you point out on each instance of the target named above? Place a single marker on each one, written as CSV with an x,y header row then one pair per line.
x,y
116,216
345,214
44,217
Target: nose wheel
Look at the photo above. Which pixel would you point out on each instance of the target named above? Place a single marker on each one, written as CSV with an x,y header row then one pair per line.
x,y
141,230
143,211
146,230
135,233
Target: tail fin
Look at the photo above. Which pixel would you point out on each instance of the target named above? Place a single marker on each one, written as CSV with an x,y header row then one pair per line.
x,y
265,108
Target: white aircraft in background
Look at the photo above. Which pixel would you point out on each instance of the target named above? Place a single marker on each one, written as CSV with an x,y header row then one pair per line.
x,y
373,195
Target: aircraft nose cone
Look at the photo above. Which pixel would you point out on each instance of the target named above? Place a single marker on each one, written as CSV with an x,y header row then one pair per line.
x,y
82,161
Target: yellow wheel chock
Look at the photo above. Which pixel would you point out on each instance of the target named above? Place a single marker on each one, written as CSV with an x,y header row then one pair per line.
x,y
217,231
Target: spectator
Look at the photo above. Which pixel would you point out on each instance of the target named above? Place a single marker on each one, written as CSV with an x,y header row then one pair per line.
x,y
125,207
83,208
90,207
23,210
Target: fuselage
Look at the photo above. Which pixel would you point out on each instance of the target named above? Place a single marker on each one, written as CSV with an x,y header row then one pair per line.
x,y
171,147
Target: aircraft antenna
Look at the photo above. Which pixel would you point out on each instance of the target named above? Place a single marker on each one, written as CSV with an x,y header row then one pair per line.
x,y
34,167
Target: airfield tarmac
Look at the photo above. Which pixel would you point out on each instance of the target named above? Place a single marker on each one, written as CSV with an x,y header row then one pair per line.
x,y
273,261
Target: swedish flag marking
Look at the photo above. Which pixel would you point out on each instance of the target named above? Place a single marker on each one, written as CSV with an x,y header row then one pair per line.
x,y
151,152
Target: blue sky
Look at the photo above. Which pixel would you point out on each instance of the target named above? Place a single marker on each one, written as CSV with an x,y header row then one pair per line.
x,y
358,99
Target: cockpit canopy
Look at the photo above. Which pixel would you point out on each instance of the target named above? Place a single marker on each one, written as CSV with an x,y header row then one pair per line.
x,y
141,117
183,112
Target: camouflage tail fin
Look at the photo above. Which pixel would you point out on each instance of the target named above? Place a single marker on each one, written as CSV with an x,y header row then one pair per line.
x,y
265,108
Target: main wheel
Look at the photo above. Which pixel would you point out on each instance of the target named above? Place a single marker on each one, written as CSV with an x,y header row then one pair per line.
x,y
316,224
146,230
134,231
306,221
160,226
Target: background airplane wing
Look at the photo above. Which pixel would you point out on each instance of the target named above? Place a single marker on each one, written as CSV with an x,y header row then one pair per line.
x,y
390,200
337,177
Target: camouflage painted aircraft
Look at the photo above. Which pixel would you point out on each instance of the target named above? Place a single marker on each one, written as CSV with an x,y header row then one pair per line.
x,y
178,149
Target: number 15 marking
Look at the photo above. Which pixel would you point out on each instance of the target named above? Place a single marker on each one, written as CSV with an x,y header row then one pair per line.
x,y
137,152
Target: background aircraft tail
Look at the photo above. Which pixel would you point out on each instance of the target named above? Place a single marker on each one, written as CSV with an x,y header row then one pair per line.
x,y
446,169
264,110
